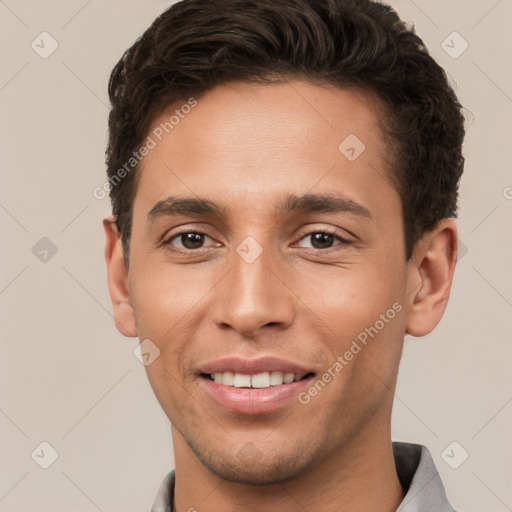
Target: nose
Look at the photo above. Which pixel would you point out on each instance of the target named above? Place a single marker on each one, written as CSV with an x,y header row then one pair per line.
x,y
252,296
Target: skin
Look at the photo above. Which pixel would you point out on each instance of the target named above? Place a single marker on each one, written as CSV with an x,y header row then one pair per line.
x,y
244,147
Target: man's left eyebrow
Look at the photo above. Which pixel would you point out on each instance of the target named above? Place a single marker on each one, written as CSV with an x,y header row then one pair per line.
x,y
321,203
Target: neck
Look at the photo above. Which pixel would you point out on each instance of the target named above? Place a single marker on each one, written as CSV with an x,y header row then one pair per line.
x,y
359,476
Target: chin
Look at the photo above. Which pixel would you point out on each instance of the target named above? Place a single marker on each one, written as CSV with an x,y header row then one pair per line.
x,y
249,466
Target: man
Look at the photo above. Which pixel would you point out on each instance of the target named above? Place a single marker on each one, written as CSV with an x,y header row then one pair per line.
x,y
284,180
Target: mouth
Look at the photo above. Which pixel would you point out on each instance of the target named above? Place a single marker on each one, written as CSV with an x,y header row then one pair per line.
x,y
261,380
254,386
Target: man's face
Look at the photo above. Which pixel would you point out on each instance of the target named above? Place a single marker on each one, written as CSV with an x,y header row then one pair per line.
x,y
262,281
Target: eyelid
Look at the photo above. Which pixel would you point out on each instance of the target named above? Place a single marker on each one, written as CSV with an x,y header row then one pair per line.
x,y
312,228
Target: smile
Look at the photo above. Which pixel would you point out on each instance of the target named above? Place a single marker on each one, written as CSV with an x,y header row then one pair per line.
x,y
254,394
258,380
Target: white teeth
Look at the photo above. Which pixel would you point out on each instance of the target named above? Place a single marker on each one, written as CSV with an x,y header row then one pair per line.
x,y
228,378
276,378
242,381
258,380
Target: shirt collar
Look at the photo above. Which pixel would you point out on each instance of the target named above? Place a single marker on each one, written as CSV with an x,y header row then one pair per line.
x,y
415,468
419,477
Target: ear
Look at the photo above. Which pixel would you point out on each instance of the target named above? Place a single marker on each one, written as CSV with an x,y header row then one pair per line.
x,y
117,273
430,275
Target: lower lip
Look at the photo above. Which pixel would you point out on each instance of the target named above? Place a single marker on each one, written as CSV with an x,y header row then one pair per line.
x,y
253,400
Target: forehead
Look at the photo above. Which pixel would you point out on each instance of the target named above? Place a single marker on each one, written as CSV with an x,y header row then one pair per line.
x,y
258,141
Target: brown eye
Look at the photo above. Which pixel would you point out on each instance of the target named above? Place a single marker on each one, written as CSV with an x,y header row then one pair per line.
x,y
187,240
323,240
192,240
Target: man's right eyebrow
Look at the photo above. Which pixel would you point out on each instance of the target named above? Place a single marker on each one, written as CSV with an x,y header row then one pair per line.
x,y
185,206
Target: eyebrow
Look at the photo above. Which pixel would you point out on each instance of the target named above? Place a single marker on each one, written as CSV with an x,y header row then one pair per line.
x,y
292,203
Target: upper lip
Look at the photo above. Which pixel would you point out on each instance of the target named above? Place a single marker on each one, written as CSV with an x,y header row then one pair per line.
x,y
253,366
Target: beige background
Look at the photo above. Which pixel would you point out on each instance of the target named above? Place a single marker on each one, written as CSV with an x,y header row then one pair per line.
x,y
69,378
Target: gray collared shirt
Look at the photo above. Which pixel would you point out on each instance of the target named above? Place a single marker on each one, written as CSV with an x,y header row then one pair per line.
x,y
415,468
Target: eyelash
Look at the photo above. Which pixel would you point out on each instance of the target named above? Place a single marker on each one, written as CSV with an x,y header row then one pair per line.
x,y
341,240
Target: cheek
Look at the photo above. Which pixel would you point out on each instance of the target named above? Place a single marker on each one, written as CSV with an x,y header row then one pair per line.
x,y
164,296
166,304
173,392
362,369
363,314
352,298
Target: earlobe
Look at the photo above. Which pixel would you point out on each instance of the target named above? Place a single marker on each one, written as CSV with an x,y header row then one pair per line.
x,y
117,275
430,277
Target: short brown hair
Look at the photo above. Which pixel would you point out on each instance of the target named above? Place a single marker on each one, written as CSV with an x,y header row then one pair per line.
x,y
198,44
